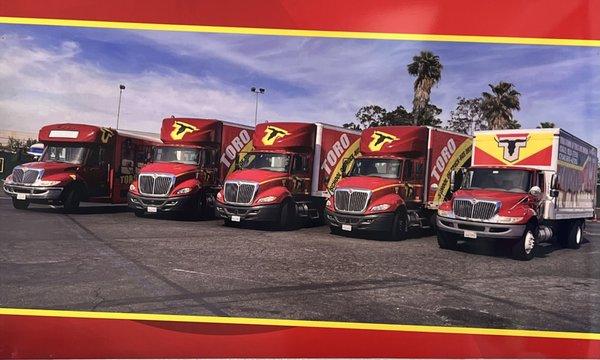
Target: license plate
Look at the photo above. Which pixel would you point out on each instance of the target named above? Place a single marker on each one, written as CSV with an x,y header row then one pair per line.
x,y
236,218
347,227
152,209
470,234
21,197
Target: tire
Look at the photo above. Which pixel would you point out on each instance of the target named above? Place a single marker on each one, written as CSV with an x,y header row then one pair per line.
x,y
72,200
287,219
524,248
139,213
574,235
229,223
447,240
20,204
399,227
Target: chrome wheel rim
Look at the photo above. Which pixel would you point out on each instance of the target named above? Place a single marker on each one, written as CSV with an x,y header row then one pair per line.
x,y
529,242
578,236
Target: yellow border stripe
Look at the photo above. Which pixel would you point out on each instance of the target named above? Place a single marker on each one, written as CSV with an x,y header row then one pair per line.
x,y
307,33
300,323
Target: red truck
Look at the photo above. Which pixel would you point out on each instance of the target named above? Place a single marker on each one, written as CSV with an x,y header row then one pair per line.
x,y
80,163
524,187
289,175
398,181
188,169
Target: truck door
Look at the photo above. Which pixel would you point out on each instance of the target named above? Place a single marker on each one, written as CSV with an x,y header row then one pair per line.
x,y
300,183
96,171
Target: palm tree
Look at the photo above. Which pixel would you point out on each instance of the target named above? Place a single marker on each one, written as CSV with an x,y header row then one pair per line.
x,y
498,106
427,68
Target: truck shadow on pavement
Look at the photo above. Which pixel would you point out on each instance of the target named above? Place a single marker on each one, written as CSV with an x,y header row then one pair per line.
x,y
87,210
500,249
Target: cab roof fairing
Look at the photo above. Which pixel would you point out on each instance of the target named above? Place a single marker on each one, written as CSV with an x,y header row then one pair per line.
x,y
190,131
284,136
401,141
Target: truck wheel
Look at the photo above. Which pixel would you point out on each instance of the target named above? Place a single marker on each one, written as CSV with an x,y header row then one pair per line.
x,y
20,204
575,235
335,230
72,199
399,226
523,248
446,240
287,220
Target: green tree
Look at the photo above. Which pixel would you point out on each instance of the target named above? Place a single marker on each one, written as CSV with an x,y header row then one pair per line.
x,y
375,115
497,107
427,69
546,125
16,145
467,117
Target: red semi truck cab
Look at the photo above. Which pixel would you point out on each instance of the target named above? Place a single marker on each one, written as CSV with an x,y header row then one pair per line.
x,y
188,169
80,163
398,181
524,187
289,175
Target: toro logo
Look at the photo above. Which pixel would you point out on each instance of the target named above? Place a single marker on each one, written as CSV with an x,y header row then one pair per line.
x,y
106,135
380,138
234,148
442,160
181,128
512,144
273,133
333,155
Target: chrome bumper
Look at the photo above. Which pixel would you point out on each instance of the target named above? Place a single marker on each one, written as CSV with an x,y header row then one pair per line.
x,y
33,192
482,229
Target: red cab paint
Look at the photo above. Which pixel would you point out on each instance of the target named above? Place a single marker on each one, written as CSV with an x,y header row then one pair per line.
x,y
524,187
398,181
188,169
289,175
80,163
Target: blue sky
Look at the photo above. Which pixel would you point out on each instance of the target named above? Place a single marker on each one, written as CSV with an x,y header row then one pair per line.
x,y
54,74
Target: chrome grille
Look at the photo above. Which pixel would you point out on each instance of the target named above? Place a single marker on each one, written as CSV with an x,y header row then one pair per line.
x,y
25,176
240,192
351,200
473,209
155,184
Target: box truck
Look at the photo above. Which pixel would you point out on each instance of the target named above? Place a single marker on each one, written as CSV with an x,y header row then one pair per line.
x,y
80,163
188,169
398,181
523,187
289,175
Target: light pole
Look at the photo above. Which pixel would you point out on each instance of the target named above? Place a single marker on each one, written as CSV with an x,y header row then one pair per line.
x,y
121,88
257,91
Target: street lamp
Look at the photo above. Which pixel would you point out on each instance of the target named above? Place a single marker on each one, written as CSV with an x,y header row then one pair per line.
x,y
257,91
121,88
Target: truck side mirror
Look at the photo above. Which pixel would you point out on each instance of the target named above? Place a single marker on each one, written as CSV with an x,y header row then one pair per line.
x,y
535,191
554,186
345,163
453,181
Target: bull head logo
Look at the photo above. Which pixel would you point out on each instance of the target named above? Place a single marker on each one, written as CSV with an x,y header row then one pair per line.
x,y
380,138
106,135
273,133
512,145
181,128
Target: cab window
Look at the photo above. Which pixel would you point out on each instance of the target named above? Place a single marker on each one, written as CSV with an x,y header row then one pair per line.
x,y
300,164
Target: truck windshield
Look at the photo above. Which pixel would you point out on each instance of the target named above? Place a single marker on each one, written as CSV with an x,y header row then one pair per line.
x,y
384,168
266,161
64,153
176,154
511,180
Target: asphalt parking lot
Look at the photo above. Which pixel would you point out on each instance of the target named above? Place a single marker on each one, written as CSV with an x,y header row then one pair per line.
x,y
106,259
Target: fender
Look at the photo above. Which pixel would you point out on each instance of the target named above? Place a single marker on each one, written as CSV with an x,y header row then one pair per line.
x,y
78,183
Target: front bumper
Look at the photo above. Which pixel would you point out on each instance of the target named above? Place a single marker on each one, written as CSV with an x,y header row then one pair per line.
x,y
380,222
249,213
41,193
482,229
162,204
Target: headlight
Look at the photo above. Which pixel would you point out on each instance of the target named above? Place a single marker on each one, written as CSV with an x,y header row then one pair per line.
x,y
46,183
131,187
183,191
382,207
328,203
267,199
219,195
8,179
445,213
506,219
